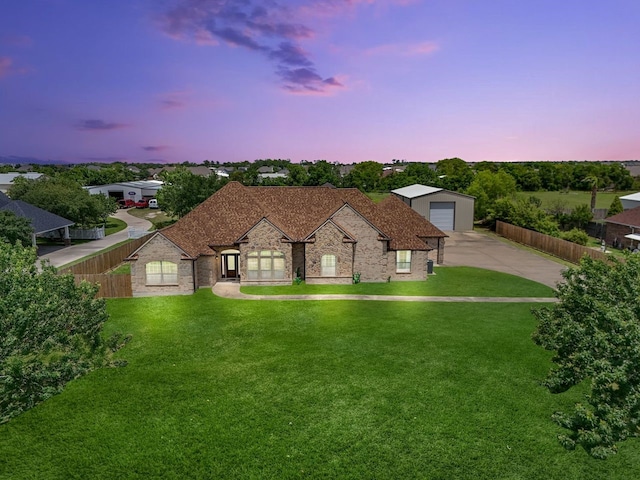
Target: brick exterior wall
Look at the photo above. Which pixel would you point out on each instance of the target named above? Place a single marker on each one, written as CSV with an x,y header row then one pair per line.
x,y
159,248
298,253
370,258
329,240
265,236
615,230
418,267
206,271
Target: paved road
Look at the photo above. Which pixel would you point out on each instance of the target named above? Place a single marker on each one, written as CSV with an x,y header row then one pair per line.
x,y
63,255
476,249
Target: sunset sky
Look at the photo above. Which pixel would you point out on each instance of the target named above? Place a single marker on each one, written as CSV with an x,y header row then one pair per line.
x,y
346,81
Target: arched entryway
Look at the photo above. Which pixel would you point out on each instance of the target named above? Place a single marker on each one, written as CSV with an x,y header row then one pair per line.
x,y
230,268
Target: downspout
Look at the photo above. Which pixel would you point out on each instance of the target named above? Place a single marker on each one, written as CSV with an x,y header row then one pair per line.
x,y
194,270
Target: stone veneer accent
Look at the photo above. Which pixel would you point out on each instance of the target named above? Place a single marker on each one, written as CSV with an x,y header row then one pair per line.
x,y
370,259
159,248
329,240
264,236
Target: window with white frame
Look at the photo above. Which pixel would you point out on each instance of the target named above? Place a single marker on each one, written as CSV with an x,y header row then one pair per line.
x,y
265,265
162,273
328,266
403,261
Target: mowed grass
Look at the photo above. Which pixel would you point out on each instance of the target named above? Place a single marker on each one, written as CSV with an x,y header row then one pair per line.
x,y
449,281
573,199
219,388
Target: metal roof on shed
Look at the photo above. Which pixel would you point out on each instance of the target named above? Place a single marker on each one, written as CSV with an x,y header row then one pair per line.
x,y
632,196
416,190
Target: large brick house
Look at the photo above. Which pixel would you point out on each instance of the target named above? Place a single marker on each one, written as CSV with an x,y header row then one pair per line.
x,y
270,235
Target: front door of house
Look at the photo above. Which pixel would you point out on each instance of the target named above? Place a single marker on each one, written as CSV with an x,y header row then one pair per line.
x,y
230,265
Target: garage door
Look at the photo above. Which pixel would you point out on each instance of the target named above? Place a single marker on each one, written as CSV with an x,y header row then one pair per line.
x,y
441,214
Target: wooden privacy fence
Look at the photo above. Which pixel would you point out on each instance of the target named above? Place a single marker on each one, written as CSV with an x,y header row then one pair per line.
x,y
92,270
107,260
572,252
111,286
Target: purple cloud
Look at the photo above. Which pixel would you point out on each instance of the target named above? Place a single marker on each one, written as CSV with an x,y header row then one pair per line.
x,y
155,148
99,125
5,66
262,26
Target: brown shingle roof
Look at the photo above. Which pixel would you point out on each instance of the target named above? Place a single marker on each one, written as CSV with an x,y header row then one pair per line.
x,y
232,211
629,217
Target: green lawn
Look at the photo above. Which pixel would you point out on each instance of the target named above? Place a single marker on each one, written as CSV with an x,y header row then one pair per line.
x,y
114,225
455,281
572,199
219,388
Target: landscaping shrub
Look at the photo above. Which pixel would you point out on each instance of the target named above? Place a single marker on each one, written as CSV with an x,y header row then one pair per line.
x,y
575,235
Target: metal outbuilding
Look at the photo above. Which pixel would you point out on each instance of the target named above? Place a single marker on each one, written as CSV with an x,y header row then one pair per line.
x,y
630,201
447,210
128,190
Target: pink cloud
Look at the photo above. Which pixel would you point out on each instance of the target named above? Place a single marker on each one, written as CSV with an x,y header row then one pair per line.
x,y
5,66
16,40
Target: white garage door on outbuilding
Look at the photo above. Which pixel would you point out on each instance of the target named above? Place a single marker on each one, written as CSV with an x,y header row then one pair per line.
x,y
442,214
446,210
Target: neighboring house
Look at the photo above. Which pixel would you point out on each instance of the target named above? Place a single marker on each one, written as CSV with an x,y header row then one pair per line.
x,y
128,190
201,170
270,235
623,229
265,169
280,174
6,179
630,201
445,209
41,220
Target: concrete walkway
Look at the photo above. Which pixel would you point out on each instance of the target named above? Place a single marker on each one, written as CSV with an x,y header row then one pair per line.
x,y
232,290
65,255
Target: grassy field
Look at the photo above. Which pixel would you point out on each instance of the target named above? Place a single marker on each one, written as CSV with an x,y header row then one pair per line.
x,y
454,281
572,199
219,388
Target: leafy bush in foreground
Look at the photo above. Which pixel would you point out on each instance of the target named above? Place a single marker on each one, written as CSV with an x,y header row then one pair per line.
x,y
594,331
50,331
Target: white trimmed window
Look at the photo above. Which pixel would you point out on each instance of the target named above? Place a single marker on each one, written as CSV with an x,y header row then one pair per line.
x,y
162,273
265,265
328,266
403,261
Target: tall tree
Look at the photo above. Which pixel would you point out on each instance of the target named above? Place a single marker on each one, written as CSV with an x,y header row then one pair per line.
x,y
488,187
63,197
321,172
15,229
454,174
183,191
366,176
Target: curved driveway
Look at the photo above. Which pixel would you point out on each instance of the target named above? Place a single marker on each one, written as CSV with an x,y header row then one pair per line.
x,y
64,255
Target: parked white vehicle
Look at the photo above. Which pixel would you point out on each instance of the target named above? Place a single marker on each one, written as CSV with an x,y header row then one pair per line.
x,y
153,203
